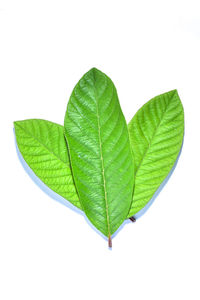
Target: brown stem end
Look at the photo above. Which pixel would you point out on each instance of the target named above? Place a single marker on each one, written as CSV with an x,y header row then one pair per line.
x,y
132,219
109,242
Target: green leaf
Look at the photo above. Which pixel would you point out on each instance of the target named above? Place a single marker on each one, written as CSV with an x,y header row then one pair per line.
x,y
100,152
156,135
43,147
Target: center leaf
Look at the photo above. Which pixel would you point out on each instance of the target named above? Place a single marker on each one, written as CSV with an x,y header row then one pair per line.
x,y
100,153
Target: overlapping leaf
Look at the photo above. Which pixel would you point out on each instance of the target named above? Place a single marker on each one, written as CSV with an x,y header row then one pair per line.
x,y
156,135
43,146
107,183
100,152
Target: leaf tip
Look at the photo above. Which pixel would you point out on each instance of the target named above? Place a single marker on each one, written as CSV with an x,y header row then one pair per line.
x,y
93,71
173,92
15,123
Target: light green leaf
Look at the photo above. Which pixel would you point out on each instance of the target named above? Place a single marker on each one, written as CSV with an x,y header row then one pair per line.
x,y
100,152
156,135
43,147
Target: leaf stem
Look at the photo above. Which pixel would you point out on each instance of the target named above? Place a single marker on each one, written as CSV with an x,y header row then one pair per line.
x,y
109,242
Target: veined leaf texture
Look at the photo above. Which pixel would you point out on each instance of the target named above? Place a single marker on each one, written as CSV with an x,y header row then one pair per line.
x,y
100,152
156,135
55,135
95,162
43,147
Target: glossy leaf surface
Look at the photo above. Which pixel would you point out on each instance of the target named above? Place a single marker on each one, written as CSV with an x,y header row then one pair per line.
x,y
156,135
100,152
43,147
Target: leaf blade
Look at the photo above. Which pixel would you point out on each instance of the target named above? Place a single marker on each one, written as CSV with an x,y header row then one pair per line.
x,y
43,147
100,153
156,135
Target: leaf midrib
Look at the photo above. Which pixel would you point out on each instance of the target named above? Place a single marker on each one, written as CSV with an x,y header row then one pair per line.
x,y
102,161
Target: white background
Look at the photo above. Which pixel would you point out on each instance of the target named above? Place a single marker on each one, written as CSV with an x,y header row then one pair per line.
x,y
48,251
